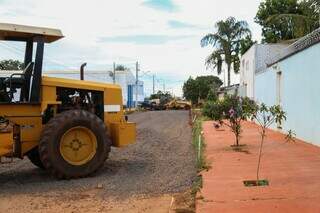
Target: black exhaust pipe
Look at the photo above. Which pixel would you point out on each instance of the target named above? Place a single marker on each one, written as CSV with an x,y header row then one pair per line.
x,y
82,71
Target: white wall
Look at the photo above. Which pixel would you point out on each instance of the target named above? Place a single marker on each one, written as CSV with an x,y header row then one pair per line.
x,y
253,61
299,92
247,70
265,87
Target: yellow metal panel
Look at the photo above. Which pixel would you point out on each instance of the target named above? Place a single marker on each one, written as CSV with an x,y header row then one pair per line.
x,y
49,93
20,110
30,127
6,140
123,134
28,116
70,83
113,96
49,97
26,146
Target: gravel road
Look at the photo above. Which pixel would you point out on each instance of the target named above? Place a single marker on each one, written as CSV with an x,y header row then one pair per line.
x,y
161,162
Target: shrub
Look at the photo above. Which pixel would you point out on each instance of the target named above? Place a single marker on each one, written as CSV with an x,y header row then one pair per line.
x,y
231,111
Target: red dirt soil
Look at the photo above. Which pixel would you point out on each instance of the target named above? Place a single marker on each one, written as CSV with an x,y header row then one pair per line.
x,y
292,168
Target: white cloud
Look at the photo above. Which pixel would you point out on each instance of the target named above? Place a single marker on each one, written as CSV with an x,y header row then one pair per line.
x,y
84,22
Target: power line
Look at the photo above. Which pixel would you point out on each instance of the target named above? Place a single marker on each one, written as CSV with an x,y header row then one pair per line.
x,y
145,74
19,51
10,49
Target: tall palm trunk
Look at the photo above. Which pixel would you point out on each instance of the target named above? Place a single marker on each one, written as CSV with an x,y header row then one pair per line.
x,y
229,74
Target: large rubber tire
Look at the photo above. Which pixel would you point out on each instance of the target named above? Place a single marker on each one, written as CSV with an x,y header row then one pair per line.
x,y
49,146
34,157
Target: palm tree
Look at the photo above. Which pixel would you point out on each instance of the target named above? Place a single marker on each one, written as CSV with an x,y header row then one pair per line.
x,y
227,43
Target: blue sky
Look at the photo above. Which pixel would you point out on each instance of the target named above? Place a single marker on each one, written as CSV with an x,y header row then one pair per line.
x,y
180,25
144,39
164,5
163,35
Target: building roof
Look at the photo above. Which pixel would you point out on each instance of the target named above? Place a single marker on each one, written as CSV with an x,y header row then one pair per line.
x,y
231,87
15,32
300,45
265,54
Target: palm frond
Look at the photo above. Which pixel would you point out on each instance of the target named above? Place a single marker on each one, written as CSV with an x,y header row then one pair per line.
x,y
209,39
215,60
227,40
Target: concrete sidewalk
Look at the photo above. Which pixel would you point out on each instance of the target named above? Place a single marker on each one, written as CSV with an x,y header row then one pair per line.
x,y
292,168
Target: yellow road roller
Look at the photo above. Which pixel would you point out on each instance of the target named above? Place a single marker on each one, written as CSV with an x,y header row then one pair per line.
x,y
64,126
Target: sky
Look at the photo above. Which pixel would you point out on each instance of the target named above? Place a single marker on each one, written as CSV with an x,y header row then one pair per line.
x,y
162,35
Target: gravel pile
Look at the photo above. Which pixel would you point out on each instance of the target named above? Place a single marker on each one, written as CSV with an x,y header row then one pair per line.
x,y
162,161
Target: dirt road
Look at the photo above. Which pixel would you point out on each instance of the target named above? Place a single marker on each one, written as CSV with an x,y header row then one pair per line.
x,y
140,178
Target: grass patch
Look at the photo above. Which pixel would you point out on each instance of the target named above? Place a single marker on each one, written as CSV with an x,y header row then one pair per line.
x,y
250,183
239,146
197,185
198,143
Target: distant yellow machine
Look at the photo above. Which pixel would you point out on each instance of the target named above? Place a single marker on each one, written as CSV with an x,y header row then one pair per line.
x,y
178,105
64,126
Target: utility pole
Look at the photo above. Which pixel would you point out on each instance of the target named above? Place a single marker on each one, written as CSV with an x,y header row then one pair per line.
x,y
164,87
114,73
153,84
137,82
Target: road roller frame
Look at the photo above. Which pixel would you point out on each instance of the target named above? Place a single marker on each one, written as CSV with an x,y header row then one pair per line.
x,y
30,101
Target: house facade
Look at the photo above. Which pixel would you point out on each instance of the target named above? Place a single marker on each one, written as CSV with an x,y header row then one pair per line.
x,y
291,80
254,61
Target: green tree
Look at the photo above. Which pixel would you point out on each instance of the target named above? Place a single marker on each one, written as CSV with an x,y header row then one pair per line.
x,y
121,67
246,44
199,88
164,97
212,95
287,19
231,111
190,90
11,65
227,44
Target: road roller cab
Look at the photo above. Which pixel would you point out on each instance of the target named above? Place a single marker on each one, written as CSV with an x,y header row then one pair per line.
x,y
64,126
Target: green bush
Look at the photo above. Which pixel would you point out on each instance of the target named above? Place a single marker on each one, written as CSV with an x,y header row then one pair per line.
x,y
231,111
212,96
